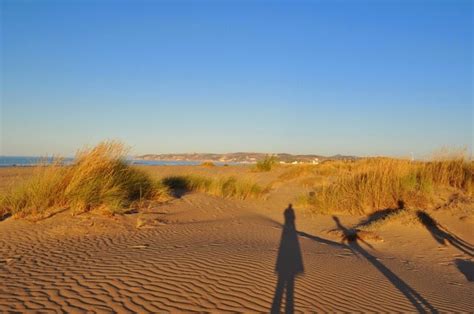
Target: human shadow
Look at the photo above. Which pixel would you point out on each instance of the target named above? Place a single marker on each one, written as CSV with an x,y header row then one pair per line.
x,y
5,216
289,264
414,297
442,235
466,268
383,214
306,235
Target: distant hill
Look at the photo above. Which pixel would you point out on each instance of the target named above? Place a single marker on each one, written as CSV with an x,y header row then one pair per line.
x,y
243,157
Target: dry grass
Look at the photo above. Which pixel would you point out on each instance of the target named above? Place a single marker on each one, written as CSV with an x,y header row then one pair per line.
x,y
377,183
224,187
266,164
208,164
297,171
325,169
99,179
315,176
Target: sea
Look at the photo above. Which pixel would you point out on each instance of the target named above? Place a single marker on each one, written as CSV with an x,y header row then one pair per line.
x,y
25,161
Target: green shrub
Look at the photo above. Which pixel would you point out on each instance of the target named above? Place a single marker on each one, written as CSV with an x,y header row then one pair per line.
x,y
266,164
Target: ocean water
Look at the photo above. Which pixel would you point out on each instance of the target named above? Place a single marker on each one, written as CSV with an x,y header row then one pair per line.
x,y
22,161
7,161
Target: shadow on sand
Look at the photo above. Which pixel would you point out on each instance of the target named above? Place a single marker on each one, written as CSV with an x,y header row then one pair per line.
x,y
177,185
289,264
382,214
5,216
414,297
466,268
442,235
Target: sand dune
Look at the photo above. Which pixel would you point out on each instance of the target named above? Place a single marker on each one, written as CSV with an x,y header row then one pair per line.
x,y
202,253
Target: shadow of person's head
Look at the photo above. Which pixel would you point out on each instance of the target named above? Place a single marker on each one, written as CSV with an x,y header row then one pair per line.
x,y
289,214
426,219
401,204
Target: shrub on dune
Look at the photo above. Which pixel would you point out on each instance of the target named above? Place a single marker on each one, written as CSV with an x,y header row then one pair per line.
x,y
208,164
43,191
226,187
98,178
379,183
266,164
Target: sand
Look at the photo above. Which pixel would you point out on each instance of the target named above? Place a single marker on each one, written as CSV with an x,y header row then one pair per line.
x,y
204,253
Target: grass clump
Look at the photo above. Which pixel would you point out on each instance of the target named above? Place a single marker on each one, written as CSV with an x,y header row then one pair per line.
x,y
266,164
228,187
324,169
208,164
314,176
379,183
297,171
99,178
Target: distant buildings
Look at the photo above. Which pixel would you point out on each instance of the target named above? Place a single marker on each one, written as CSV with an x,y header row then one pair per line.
x,y
315,161
247,158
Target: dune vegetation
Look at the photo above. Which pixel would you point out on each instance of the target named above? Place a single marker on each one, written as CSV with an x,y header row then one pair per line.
x,y
209,164
99,178
266,164
326,169
228,187
373,184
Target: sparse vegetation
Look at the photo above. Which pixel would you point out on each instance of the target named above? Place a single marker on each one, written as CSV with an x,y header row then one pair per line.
x,y
325,169
378,183
99,178
297,171
208,164
225,187
314,176
266,164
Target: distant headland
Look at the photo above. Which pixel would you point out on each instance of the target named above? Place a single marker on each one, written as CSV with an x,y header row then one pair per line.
x,y
243,157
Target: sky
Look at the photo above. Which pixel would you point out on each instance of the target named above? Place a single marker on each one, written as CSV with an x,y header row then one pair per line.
x,y
325,77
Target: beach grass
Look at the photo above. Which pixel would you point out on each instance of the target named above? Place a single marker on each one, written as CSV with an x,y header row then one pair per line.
x,y
379,183
325,169
99,178
228,187
266,164
208,164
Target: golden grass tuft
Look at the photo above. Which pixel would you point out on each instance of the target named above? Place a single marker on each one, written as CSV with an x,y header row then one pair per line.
x,y
228,187
266,164
314,176
297,171
208,164
378,183
326,168
99,178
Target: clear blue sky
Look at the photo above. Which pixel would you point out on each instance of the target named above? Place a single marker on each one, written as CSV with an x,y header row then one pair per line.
x,y
324,77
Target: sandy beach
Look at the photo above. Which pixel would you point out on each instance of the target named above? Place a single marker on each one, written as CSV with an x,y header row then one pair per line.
x,y
205,253
236,156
